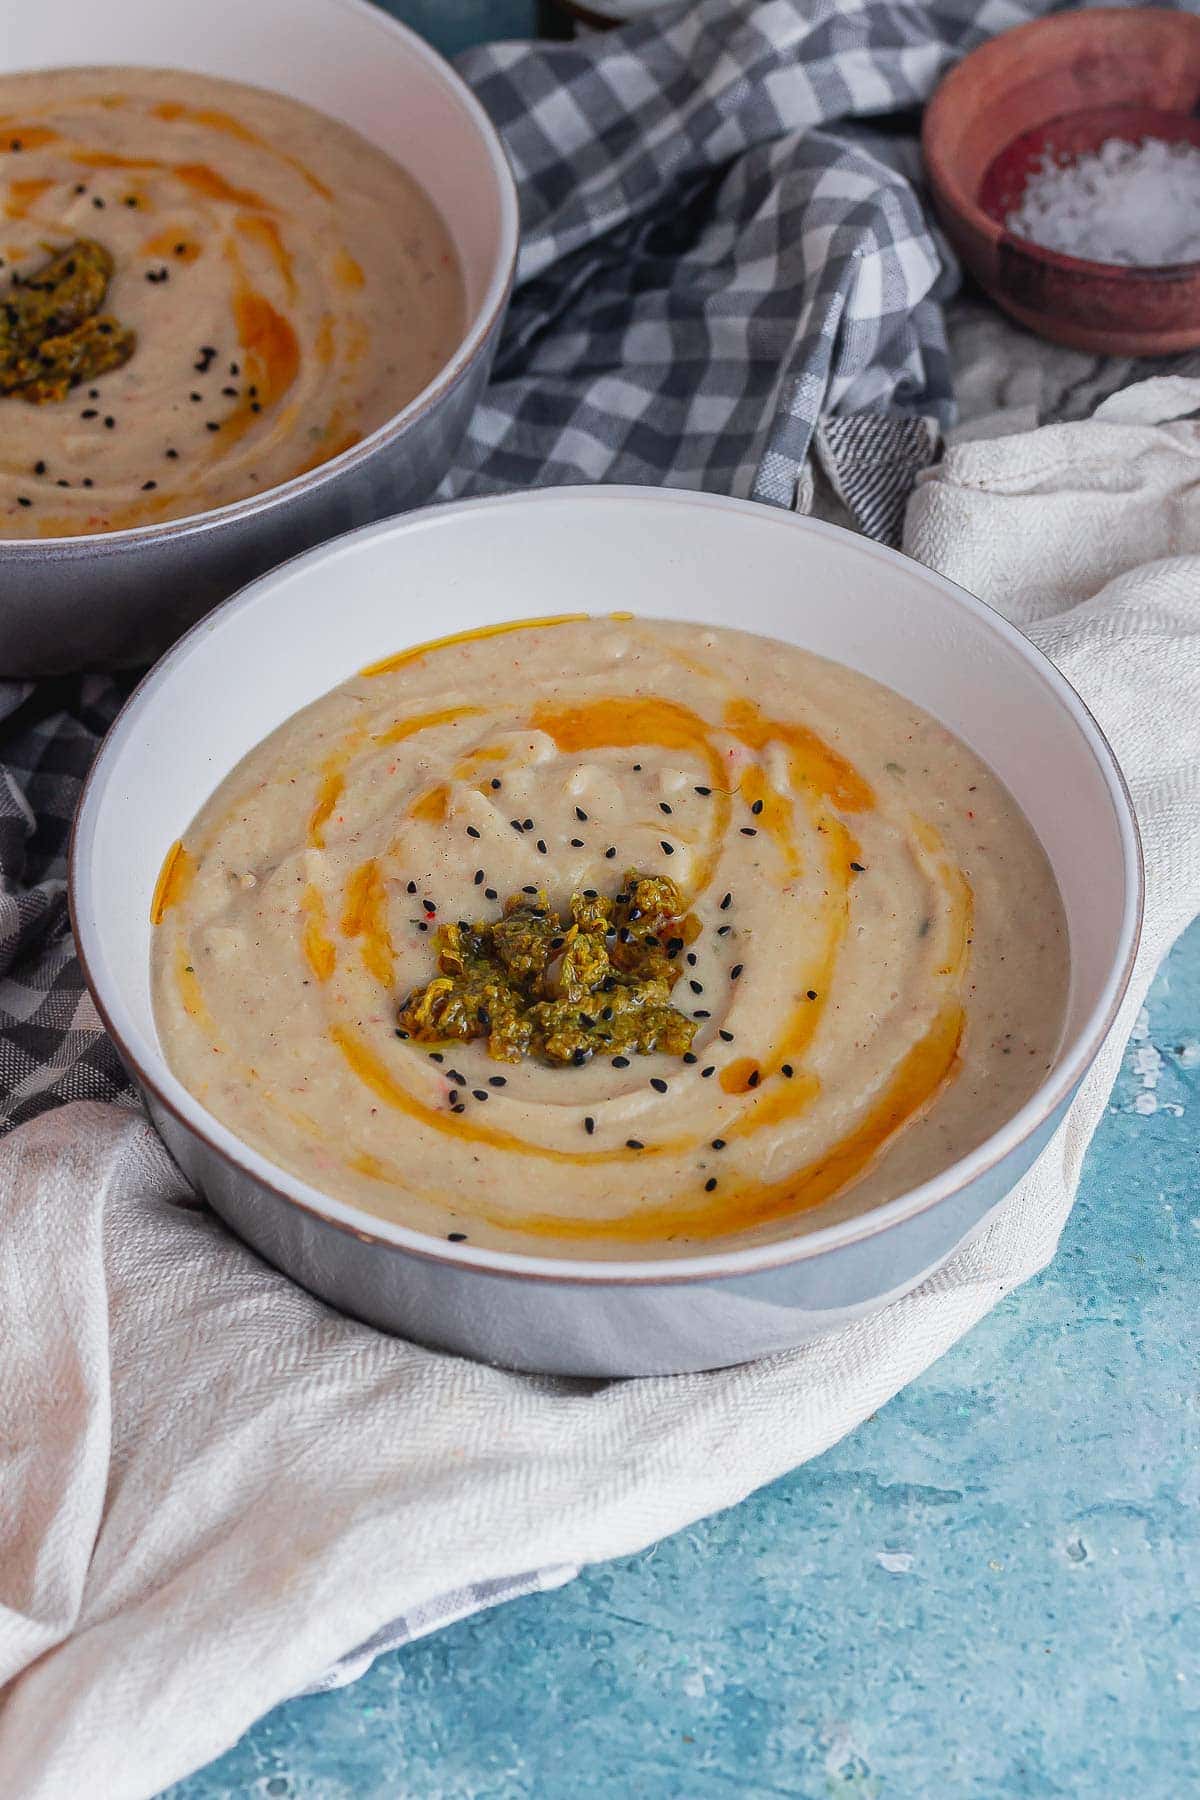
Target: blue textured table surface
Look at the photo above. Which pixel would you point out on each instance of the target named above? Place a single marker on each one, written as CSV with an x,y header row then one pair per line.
x,y
991,1590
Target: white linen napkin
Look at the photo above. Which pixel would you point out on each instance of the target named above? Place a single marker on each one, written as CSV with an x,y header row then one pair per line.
x,y
213,1489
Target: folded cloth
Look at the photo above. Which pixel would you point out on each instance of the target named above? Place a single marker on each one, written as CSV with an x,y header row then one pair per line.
x,y
215,1488
214,1492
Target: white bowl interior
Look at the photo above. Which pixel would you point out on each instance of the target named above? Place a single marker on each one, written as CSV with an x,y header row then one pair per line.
x,y
343,56
303,628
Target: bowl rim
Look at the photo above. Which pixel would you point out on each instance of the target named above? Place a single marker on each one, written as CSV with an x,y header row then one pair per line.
x,y
486,317
963,206
1072,1063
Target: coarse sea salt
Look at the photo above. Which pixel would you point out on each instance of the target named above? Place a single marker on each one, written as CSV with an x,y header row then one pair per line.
x,y
1133,204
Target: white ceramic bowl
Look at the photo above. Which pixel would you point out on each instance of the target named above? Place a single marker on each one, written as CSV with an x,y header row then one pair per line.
x,y
121,597
295,633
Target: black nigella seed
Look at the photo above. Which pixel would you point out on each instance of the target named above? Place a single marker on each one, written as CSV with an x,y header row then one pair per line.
x,y
556,943
195,398
711,1070
667,849
23,500
663,807
858,867
541,844
456,1237
812,993
590,894
637,768
634,1144
89,412
689,1056
726,903
701,1014
479,878
658,1084
691,955
173,455
577,843
581,815
724,930
589,1125
211,425
757,808
710,1184
481,1093
726,1035
610,852
87,482
454,1096
411,888
421,925
787,1069
752,1080
256,406
148,485
436,1056
98,203
181,249
704,791
400,1033
235,369
109,422
230,393
39,468
697,987
460,1108
490,894
495,785
497,1081
62,482
579,1057
516,824
472,831
736,971
429,905
526,824
718,1143
454,1075
620,1062
527,889
749,831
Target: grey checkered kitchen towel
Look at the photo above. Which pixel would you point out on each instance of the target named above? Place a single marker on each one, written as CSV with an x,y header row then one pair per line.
x,y
722,264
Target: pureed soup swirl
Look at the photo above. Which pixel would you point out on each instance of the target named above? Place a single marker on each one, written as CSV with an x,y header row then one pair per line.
x,y
274,289
875,969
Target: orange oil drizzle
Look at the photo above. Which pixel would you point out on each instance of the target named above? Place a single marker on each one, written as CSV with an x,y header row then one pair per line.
x,y
403,657
815,765
22,196
265,234
347,272
917,1081
173,243
215,120
371,1070
190,992
365,915
319,953
174,879
406,728
28,137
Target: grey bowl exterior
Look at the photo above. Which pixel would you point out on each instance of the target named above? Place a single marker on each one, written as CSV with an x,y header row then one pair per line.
x,y
593,1328
118,601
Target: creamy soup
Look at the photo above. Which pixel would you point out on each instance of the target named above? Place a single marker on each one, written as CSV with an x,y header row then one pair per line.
x,y
285,287
870,978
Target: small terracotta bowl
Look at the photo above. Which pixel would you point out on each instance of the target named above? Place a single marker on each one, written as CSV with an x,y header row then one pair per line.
x,y
1066,84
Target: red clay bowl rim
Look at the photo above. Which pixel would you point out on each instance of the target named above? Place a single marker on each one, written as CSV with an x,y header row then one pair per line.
x,y
961,206
1074,1059
487,315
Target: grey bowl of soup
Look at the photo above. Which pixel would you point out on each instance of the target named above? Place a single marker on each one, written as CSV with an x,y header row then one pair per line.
x,y
626,989
305,261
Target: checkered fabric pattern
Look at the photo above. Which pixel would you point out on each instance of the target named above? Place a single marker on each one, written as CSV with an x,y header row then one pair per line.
x,y
726,275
